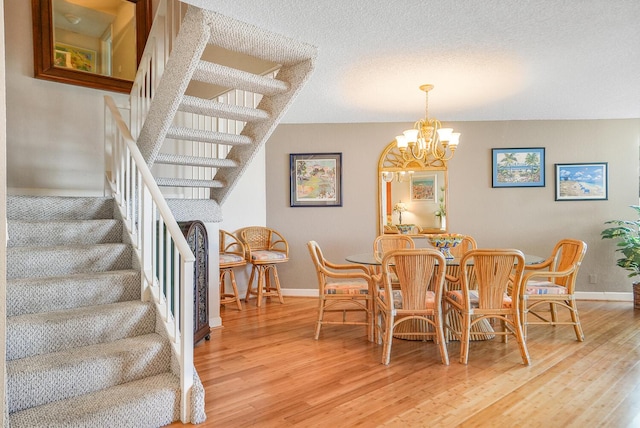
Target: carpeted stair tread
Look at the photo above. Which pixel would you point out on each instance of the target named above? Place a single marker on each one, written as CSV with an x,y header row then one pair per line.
x,y
206,136
150,402
59,208
187,182
41,379
221,75
205,210
225,111
36,334
171,159
24,233
33,295
61,260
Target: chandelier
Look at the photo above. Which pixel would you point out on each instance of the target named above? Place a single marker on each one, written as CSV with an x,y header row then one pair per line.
x,y
428,139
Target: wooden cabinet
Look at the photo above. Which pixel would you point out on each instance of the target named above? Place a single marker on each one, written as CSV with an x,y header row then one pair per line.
x,y
196,235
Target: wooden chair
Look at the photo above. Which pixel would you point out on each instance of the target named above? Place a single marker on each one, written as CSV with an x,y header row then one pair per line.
x,y
495,271
453,272
418,301
553,282
342,288
265,248
385,243
232,255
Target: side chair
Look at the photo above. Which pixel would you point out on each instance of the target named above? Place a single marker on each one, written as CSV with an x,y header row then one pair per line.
x,y
265,248
496,272
342,288
232,255
417,303
553,283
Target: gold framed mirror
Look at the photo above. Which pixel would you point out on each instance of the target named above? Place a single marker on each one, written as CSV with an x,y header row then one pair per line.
x,y
412,193
92,43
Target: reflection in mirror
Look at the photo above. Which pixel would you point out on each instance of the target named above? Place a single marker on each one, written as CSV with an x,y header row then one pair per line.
x,y
95,43
95,37
412,194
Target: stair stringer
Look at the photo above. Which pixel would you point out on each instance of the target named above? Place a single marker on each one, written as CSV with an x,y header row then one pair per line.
x,y
182,63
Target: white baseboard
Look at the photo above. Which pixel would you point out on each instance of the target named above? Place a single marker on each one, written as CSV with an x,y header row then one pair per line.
x,y
580,295
612,296
300,292
215,322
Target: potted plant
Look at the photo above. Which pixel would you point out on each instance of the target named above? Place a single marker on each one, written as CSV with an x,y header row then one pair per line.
x,y
627,232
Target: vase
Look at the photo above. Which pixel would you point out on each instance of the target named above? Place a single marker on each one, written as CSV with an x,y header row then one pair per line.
x,y
636,295
443,223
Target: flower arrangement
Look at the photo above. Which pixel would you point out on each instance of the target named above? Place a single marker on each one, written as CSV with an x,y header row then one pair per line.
x,y
442,211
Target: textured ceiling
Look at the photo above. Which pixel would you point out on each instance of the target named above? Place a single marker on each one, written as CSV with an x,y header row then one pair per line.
x,y
488,59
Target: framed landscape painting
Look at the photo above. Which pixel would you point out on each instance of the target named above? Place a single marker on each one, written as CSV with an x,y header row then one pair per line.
x,y
316,179
582,181
518,167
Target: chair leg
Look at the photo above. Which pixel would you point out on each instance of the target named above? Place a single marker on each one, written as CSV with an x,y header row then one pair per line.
x,y
387,339
576,320
554,313
277,282
234,286
444,355
464,340
261,284
320,317
250,284
521,342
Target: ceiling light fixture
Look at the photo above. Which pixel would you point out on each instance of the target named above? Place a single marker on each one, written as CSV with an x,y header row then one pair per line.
x,y
428,139
73,19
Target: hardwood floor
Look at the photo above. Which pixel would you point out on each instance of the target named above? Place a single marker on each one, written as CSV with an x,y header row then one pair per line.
x,y
265,369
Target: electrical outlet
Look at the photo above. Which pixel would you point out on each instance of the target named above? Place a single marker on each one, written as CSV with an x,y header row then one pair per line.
x,y
593,279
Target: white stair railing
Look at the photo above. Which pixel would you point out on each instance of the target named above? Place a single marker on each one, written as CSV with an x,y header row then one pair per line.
x,y
167,262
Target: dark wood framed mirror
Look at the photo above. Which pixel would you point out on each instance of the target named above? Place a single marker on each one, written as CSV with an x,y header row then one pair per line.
x,y
55,58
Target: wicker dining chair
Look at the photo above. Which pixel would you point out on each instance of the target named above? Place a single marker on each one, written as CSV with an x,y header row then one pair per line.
x,y
232,255
553,283
385,243
265,248
416,304
496,272
343,288
453,271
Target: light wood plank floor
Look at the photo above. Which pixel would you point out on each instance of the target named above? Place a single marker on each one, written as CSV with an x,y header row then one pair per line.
x,y
263,368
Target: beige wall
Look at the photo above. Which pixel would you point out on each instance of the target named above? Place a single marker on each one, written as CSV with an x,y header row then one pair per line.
x,y
524,218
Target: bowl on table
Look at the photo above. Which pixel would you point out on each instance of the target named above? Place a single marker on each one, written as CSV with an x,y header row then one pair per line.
x,y
445,241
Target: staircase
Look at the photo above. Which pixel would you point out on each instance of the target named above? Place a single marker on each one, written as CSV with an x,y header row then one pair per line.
x,y
83,348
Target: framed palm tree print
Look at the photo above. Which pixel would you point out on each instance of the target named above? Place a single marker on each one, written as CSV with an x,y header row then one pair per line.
x,y
518,167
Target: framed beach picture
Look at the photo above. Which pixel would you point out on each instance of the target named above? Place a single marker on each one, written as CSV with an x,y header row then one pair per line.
x,y
316,179
423,187
518,167
582,181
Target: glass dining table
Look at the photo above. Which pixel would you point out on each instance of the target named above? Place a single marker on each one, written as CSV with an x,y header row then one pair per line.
x,y
482,330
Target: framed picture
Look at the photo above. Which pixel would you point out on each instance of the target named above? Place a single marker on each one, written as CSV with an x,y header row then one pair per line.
x,y
73,57
582,181
316,179
423,188
518,167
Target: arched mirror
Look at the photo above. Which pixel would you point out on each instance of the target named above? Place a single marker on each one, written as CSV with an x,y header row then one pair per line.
x,y
93,43
412,193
